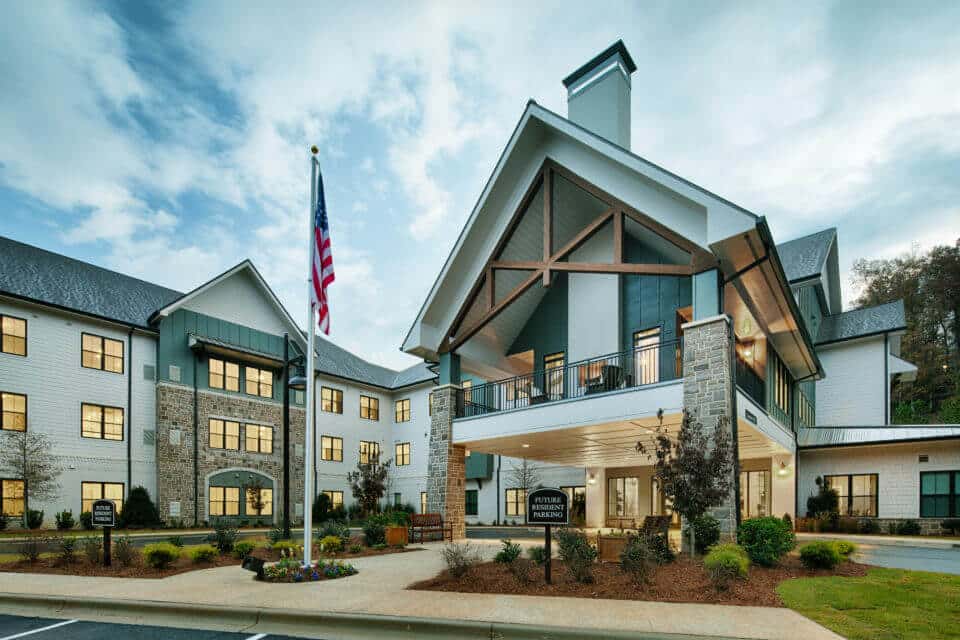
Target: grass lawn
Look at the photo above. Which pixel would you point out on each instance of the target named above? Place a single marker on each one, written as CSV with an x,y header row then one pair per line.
x,y
886,604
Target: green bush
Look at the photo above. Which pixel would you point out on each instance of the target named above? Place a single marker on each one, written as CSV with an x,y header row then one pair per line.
x,y
660,544
375,530
243,548
950,410
86,521
844,548
90,548
538,554
908,528
868,526
276,534
509,552
459,557
576,552
286,546
224,535
65,520
161,555
766,540
355,548
706,532
321,508
3,521
725,563
819,555
824,503
379,547
336,528
31,548
952,525
34,519
123,551
138,510
331,544
913,412
176,541
66,547
639,560
203,553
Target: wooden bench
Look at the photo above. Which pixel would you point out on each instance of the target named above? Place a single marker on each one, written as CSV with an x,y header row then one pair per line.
x,y
429,524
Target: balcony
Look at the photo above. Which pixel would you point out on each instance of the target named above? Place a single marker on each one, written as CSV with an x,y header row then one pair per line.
x,y
750,382
639,367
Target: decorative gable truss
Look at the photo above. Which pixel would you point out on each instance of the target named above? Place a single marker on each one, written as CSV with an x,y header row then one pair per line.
x,y
559,214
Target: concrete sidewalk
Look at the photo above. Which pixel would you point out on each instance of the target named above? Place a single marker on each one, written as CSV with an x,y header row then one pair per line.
x,y
925,542
378,592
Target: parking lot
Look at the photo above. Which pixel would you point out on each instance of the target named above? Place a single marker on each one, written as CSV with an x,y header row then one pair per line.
x,y
12,627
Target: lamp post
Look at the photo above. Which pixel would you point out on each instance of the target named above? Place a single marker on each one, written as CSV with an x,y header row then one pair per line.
x,y
298,383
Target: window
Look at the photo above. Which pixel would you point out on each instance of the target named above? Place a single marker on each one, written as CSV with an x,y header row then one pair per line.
x,y
262,498
259,438
623,497
331,400
939,494
646,356
430,403
805,411
401,410
101,422
259,382
92,491
403,454
754,494
471,502
369,452
467,386
553,375
13,335
224,501
781,386
331,449
11,497
224,434
369,408
397,499
516,502
858,493
224,375
97,352
423,502
13,410
336,498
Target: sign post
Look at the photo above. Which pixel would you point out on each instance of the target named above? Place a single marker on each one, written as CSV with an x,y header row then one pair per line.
x,y
548,506
104,514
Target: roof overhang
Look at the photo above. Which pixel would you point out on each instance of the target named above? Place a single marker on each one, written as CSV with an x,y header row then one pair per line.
x,y
897,365
220,348
749,262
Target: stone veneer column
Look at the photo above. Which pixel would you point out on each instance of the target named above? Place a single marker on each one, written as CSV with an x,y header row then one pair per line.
x,y
708,394
445,464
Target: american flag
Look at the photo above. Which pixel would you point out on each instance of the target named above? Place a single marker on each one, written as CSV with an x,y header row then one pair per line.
x,y
322,259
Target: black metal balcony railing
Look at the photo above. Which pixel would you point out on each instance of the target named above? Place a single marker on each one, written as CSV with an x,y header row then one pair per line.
x,y
751,383
635,368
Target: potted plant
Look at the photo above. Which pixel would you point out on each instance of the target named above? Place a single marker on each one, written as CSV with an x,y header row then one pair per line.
x,y
397,533
611,545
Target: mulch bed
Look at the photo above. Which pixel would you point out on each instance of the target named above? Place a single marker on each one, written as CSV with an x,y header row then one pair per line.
x,y
138,569
679,581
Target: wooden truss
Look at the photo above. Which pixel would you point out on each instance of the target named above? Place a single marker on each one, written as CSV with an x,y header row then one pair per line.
x,y
554,259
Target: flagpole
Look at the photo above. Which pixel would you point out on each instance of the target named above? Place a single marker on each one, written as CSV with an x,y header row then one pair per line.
x,y
308,487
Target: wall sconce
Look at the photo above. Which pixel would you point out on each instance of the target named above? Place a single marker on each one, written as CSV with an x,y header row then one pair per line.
x,y
784,470
591,478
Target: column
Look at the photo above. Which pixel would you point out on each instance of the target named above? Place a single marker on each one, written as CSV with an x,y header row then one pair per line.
x,y
446,462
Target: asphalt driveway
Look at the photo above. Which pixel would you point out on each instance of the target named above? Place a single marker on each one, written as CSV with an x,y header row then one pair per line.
x,y
913,558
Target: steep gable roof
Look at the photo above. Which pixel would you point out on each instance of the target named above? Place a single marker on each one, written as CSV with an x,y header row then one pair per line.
x,y
860,323
805,257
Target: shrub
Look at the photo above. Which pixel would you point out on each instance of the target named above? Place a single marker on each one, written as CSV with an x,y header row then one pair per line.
x,y
243,548
952,525
908,528
203,553
398,517
706,532
65,520
844,548
868,526
660,544
331,544
224,535
176,541
355,548
90,548
379,547
375,530
819,555
123,551
31,548
276,534
459,557
509,552
67,548
825,501
639,560
950,410
766,539
787,519
336,528
34,519
287,547
577,553
161,555
913,412
86,521
522,569
538,554
3,521
138,510
321,508
848,525
725,563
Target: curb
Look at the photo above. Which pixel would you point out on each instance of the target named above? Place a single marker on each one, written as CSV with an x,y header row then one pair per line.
x,y
304,622
880,541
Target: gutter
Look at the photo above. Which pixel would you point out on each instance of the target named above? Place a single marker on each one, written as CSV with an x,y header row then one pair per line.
x,y
130,411
196,442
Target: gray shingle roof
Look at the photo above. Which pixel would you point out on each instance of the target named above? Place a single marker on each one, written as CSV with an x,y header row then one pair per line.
x,y
851,436
43,276
804,257
337,361
863,322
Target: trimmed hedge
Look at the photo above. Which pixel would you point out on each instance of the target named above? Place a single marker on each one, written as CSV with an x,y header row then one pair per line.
x,y
819,555
160,555
766,540
203,553
725,563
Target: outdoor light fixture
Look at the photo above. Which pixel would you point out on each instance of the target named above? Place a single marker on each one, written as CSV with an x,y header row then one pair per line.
x,y
783,470
298,382
592,479
525,446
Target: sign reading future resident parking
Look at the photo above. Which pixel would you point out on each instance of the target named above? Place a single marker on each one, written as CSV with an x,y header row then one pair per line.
x,y
104,513
547,506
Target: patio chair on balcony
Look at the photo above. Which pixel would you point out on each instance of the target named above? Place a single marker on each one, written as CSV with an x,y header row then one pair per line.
x,y
610,378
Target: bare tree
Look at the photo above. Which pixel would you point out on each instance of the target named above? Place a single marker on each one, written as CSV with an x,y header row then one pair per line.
x,y
27,455
254,494
525,476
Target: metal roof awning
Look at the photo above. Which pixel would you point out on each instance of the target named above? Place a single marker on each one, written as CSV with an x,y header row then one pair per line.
x,y
750,263
219,347
825,437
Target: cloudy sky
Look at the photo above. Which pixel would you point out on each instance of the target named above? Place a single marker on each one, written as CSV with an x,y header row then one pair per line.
x,y
170,141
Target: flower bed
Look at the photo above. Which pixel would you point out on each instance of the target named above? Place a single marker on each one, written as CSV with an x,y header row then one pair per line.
x,y
291,570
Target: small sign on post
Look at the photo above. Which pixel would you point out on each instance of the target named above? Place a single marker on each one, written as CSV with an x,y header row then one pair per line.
x,y
104,514
547,506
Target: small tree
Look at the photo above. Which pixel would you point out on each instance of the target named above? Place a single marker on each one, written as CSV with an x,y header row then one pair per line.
x,y
695,470
369,483
27,455
253,490
138,510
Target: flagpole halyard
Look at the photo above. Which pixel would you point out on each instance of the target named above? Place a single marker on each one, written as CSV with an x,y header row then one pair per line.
x,y
308,488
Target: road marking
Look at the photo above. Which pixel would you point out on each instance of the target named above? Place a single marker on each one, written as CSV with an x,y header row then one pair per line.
x,y
47,628
259,636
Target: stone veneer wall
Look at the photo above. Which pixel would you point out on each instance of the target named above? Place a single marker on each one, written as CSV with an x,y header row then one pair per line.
x,y
708,394
445,467
175,459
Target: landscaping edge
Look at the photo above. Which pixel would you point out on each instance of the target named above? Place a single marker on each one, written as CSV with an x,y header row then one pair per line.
x,y
270,620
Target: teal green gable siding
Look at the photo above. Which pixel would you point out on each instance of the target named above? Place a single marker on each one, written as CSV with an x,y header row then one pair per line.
x,y
479,466
546,330
809,303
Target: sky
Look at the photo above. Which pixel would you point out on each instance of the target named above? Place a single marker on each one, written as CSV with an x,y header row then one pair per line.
x,y
170,141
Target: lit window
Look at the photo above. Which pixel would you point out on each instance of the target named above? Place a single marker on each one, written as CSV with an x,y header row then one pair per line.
x,y
369,452
224,375
782,391
423,502
224,501
259,502
331,400
331,449
369,408
11,497
623,497
402,410
336,498
403,454
646,356
516,502
259,438
93,491
224,434
13,335
13,409
858,493
97,352
467,386
102,422
553,375
259,382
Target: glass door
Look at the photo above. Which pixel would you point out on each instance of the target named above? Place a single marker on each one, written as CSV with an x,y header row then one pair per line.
x,y
754,494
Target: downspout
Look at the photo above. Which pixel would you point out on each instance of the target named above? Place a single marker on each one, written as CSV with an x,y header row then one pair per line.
x,y
286,435
130,411
886,378
196,443
499,457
